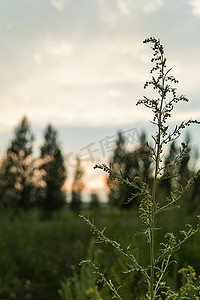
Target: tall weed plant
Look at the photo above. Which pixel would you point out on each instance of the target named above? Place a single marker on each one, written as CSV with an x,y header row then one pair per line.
x,y
150,207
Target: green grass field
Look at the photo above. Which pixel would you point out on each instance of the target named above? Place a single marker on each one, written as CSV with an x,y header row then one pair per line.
x,y
36,256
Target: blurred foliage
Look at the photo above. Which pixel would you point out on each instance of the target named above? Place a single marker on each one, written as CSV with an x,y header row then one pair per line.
x,y
131,163
138,162
27,181
17,171
77,186
50,196
36,256
94,201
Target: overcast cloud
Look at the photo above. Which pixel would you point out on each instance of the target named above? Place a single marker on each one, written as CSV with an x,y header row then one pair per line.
x,y
83,64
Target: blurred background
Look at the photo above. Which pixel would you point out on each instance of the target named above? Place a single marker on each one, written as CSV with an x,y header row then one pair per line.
x,y
81,66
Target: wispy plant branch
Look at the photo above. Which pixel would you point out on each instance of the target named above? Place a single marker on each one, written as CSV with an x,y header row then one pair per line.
x,y
162,106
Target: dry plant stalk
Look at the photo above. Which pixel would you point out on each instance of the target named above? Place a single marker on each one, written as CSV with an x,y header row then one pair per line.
x,y
162,106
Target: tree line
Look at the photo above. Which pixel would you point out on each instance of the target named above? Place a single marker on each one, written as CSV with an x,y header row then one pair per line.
x,y
138,163
27,181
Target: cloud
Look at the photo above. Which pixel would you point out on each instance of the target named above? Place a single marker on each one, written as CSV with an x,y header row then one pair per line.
x,y
52,47
125,6
9,26
82,83
38,58
152,6
111,12
58,4
108,12
195,7
115,93
59,48
88,77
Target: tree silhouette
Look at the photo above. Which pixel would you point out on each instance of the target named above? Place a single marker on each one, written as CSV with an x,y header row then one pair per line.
x,y
171,181
118,163
50,196
137,163
180,174
94,201
191,198
185,171
17,172
195,197
77,186
131,164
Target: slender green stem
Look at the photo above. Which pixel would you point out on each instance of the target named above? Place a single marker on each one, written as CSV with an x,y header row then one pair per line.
x,y
152,255
164,268
152,235
149,205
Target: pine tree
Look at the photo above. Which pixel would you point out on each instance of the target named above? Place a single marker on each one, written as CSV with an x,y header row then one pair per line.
x,y
50,196
77,187
17,172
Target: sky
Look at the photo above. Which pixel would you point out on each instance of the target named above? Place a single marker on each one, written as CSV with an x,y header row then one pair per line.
x,y
81,65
